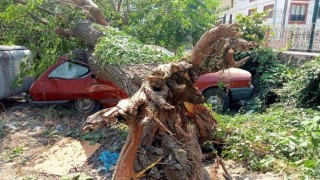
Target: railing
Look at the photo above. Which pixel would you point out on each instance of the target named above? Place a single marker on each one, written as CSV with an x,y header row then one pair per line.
x,y
294,37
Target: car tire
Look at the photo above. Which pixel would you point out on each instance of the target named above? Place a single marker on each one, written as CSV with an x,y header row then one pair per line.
x,y
218,99
86,105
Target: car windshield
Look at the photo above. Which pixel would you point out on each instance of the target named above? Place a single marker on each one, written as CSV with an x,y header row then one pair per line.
x,y
69,70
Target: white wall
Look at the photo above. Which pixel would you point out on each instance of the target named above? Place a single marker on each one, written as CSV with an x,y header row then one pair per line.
x,y
243,6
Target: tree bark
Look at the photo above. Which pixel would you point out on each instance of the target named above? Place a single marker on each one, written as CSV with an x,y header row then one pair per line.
x,y
165,114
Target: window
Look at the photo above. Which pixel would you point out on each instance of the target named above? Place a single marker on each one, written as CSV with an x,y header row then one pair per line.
x,y
251,0
298,13
69,70
269,9
232,3
230,19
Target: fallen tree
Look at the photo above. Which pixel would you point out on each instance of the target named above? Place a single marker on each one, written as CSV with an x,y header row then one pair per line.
x,y
166,119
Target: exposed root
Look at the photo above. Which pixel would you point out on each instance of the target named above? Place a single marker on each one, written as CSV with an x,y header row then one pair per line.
x,y
142,173
96,121
226,173
150,115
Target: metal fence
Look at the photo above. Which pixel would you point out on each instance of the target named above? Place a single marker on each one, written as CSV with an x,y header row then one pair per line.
x,y
294,38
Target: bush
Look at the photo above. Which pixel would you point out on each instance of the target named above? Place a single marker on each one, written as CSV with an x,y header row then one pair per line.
x,y
279,139
303,89
268,74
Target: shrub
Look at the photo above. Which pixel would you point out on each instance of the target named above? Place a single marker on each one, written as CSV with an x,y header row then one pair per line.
x,y
268,74
279,139
252,26
303,89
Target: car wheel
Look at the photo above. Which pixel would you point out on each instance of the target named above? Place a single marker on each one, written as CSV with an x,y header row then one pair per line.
x,y
87,105
218,99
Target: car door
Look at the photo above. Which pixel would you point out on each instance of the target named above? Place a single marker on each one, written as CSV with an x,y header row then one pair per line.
x,y
66,82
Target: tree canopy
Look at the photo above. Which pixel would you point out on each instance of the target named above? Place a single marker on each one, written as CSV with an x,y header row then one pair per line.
x,y
33,23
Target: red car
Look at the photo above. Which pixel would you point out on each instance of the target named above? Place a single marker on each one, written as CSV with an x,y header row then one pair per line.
x,y
222,87
71,81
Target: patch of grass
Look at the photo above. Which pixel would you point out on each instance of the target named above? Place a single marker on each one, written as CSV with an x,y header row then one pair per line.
x,y
54,112
280,139
94,136
74,133
51,134
119,130
17,151
10,154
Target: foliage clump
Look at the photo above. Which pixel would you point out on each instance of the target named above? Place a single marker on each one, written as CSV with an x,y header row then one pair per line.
x,y
17,27
269,74
303,89
171,24
280,139
253,27
118,48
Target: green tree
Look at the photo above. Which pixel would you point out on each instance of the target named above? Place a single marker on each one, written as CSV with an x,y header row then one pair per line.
x,y
171,24
253,26
34,23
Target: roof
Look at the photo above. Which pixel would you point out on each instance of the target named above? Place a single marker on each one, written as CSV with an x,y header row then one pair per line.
x,y
11,48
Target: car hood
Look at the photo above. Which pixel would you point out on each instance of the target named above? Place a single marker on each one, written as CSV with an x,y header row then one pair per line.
x,y
235,74
238,74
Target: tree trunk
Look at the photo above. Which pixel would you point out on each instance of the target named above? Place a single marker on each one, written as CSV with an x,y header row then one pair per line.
x,y
166,118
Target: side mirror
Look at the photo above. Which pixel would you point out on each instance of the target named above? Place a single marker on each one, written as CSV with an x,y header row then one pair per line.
x,y
93,76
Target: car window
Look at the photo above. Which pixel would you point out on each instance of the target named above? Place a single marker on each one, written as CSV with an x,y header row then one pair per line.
x,y
69,70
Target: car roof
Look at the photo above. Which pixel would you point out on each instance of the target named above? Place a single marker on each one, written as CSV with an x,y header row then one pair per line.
x,y
11,48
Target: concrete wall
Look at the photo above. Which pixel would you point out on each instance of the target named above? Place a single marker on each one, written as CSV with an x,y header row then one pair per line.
x,y
295,59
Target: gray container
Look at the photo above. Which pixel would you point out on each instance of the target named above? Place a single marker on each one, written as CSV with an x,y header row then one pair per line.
x,y
10,59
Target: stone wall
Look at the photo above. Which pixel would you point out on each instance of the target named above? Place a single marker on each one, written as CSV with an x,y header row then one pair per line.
x,y
294,58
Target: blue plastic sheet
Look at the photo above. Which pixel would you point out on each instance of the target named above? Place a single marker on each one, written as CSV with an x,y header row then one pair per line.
x,y
109,159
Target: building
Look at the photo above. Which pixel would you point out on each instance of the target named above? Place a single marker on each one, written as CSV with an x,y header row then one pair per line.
x,y
295,23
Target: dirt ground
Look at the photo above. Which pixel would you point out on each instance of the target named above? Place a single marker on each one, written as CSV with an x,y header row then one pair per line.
x,y
26,132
